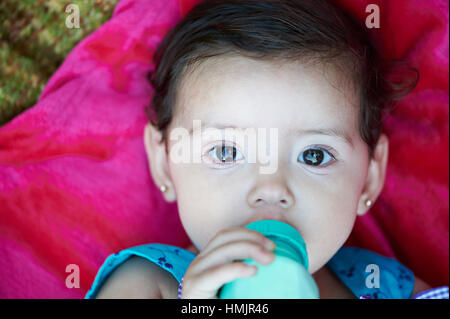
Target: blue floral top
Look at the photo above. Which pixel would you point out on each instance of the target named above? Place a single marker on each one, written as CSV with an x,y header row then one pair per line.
x,y
367,274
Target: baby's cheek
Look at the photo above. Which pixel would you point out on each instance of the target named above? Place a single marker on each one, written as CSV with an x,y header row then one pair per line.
x,y
202,218
327,235
197,233
322,250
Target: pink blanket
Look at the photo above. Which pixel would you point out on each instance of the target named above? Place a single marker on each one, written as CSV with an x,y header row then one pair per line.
x,y
74,181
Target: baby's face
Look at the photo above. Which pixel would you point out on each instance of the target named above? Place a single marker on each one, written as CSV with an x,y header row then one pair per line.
x,y
309,189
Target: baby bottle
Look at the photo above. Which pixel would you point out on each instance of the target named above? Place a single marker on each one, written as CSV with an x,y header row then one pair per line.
x,y
287,277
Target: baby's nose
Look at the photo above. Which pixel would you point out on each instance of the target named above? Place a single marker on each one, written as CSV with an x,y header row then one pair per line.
x,y
272,193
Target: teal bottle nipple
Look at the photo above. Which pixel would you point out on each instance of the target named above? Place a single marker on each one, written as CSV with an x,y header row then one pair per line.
x,y
287,277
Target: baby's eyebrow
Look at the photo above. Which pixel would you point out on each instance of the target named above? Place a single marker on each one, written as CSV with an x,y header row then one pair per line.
x,y
327,131
336,132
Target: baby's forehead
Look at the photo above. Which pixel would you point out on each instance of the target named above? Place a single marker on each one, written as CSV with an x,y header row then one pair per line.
x,y
256,94
227,76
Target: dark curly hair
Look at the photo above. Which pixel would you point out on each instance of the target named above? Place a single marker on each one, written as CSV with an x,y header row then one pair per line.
x,y
284,30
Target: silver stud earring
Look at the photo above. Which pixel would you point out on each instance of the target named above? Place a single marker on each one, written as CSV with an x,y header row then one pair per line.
x,y
163,188
368,203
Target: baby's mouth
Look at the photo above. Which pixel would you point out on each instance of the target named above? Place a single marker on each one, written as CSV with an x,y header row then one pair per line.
x,y
268,215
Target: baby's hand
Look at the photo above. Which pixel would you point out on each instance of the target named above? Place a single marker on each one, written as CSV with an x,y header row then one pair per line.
x,y
216,265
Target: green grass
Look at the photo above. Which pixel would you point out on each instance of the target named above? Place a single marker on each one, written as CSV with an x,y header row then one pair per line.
x,y
34,41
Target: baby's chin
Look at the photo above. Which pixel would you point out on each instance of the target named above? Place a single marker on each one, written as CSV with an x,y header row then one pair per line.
x,y
317,261
314,268
192,249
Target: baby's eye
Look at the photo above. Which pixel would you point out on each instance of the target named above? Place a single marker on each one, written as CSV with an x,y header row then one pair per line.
x,y
225,153
316,156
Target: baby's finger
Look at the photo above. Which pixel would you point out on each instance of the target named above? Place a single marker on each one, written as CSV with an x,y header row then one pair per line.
x,y
234,234
233,251
209,282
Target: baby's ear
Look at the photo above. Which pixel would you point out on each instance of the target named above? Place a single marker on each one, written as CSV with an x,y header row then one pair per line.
x,y
157,161
375,176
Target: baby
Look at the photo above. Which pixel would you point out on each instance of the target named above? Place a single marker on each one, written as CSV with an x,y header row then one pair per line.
x,y
304,70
